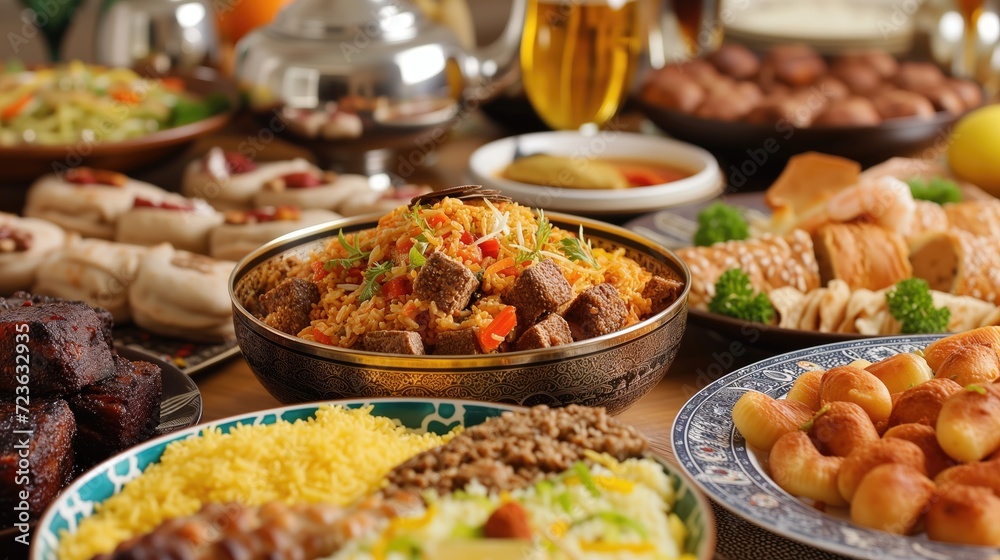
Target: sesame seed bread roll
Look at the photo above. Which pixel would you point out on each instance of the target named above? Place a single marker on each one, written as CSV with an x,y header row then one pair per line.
x,y
770,261
928,217
959,263
978,217
863,255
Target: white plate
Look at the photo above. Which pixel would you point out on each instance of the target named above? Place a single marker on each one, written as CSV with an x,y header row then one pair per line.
x,y
488,161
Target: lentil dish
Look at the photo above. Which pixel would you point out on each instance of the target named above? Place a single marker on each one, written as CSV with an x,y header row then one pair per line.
x,y
464,273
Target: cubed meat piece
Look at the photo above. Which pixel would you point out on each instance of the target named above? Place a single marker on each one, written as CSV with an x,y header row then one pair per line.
x,y
550,331
540,289
36,457
393,342
597,311
662,293
62,343
446,282
24,299
288,305
457,343
117,413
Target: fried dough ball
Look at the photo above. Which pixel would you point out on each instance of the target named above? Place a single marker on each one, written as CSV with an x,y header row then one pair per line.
x,y
806,389
971,364
801,470
922,404
796,65
866,457
853,111
919,76
736,61
831,88
841,427
897,104
944,99
882,62
762,420
924,436
859,77
969,92
891,498
985,474
964,515
900,372
968,426
939,350
682,94
852,384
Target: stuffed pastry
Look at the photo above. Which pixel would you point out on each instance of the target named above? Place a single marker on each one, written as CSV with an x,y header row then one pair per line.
x,y
96,271
381,202
181,294
313,189
25,243
229,180
862,255
246,230
185,223
86,201
960,263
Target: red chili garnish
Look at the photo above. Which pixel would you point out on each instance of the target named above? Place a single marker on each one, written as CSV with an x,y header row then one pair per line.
x,y
301,180
162,205
26,304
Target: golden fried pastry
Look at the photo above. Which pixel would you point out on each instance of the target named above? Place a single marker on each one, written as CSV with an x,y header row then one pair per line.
x,y
902,371
863,255
891,498
938,351
964,515
762,420
985,474
959,263
769,261
852,384
801,470
796,196
978,217
866,457
922,403
806,389
971,364
968,426
928,217
924,436
841,427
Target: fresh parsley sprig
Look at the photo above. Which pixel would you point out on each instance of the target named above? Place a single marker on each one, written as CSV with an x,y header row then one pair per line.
x,y
579,249
417,217
370,287
354,253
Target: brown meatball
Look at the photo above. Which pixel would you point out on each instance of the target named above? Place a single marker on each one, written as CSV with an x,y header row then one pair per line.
x,y
681,93
860,78
919,76
796,65
735,61
969,92
726,104
854,111
882,62
831,88
944,99
896,104
792,109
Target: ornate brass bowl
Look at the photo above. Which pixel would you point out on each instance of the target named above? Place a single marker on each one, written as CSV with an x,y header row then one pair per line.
x,y
613,371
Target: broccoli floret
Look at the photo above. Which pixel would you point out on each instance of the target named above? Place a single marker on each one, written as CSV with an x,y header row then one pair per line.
x,y
734,297
938,189
911,304
720,222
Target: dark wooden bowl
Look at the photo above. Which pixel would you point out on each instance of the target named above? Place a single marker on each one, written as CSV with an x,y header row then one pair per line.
x,y
19,164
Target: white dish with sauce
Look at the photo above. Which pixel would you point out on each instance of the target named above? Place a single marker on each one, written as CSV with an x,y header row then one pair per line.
x,y
703,180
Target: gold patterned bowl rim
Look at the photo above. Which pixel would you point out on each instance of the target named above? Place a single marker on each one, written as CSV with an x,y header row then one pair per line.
x,y
429,363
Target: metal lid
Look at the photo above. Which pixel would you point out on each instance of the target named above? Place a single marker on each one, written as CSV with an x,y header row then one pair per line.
x,y
351,21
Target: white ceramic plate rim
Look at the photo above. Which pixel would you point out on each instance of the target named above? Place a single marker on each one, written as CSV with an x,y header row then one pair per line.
x,y
487,161
705,442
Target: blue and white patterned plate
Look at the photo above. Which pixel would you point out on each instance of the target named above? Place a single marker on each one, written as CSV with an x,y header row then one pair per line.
x,y
714,454
434,415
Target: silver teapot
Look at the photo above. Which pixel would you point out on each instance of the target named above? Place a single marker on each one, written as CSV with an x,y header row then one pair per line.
x,y
351,76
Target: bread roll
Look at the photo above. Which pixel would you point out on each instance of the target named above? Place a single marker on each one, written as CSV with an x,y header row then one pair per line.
x,y
91,209
863,255
96,271
333,193
183,222
25,243
959,263
243,232
227,180
770,261
181,294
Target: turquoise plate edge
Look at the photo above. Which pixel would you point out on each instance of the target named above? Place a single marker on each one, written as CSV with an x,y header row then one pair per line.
x,y
433,415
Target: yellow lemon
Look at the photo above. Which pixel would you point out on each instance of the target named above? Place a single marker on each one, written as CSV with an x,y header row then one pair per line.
x,y
974,153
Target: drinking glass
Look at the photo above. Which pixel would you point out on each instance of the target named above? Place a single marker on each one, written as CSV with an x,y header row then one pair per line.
x,y
578,57
53,19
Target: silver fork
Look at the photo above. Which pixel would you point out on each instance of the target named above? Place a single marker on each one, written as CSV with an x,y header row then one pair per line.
x,y
176,402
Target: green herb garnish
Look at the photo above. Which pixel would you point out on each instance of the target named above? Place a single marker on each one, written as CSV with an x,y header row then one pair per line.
x,y
371,285
976,389
911,303
576,249
812,421
416,255
734,297
720,222
354,253
417,218
937,189
618,520
586,479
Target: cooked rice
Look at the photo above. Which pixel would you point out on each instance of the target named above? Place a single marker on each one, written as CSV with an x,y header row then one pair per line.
x,y
343,317
335,458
